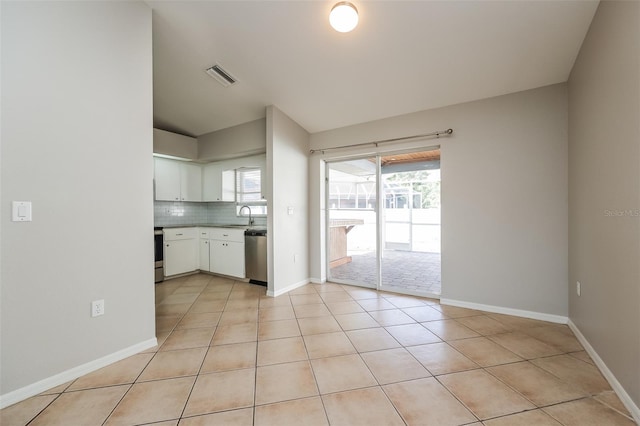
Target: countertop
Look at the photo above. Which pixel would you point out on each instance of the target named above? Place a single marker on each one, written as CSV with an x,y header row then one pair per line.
x,y
209,225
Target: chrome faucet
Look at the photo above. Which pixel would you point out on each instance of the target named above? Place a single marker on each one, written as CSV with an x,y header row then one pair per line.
x,y
250,218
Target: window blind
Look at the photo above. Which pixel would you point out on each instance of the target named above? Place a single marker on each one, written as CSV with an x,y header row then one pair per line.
x,y
248,185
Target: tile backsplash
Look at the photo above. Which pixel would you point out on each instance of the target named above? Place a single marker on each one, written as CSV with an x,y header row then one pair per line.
x,y
171,213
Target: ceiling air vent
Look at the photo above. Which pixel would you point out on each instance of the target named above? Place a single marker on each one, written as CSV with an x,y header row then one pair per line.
x,y
222,76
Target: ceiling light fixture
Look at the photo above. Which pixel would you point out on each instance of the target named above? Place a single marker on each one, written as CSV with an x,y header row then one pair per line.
x,y
343,17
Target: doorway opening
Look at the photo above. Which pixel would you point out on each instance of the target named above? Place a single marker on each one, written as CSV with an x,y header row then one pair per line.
x,y
383,222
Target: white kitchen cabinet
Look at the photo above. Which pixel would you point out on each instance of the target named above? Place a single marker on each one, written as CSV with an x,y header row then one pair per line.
x,y
180,251
167,179
219,180
190,182
212,182
226,249
204,257
227,258
177,180
258,162
218,184
229,185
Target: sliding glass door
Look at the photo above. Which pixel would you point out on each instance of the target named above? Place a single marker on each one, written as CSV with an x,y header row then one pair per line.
x,y
352,202
383,222
410,224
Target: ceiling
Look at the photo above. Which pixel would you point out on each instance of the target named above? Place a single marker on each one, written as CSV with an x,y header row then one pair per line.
x,y
412,157
411,161
403,57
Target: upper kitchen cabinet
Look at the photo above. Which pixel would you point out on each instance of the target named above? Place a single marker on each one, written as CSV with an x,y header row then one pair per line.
x,y
190,182
219,178
218,183
177,180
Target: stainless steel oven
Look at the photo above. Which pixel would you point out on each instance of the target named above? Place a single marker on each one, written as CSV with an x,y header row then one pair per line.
x,y
158,237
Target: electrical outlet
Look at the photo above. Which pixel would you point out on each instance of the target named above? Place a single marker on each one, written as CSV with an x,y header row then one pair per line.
x,y
97,308
578,289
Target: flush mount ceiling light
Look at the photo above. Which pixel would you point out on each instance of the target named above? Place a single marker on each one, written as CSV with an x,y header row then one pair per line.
x,y
343,17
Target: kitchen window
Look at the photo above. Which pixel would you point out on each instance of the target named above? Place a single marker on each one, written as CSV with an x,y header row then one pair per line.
x,y
249,191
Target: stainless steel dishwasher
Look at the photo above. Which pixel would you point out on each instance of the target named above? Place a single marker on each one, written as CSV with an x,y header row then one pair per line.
x,y
255,255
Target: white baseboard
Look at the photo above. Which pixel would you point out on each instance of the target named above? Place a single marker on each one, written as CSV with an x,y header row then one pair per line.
x,y
427,294
73,373
615,384
317,281
507,311
287,289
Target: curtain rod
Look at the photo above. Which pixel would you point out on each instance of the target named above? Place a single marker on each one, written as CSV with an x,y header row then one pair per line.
x,y
376,143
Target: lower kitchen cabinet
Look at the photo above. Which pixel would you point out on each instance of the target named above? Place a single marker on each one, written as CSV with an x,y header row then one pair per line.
x,y
204,255
217,250
203,259
180,251
227,258
226,250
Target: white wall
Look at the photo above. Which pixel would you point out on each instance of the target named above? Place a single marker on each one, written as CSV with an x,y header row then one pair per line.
x,y
174,145
288,237
237,141
604,189
504,195
77,142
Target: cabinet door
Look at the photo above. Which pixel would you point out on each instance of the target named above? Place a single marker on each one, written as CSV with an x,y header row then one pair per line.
x,y
212,183
204,255
180,256
235,256
229,185
216,254
260,162
167,179
190,182
227,258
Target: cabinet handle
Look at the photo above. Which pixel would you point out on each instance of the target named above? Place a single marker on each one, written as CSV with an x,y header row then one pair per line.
x,y
177,235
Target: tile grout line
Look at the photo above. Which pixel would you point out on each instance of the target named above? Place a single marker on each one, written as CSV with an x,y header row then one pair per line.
x,y
45,407
198,373
128,390
563,352
313,372
255,370
207,351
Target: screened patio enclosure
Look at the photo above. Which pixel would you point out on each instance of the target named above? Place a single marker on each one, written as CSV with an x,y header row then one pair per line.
x,y
389,241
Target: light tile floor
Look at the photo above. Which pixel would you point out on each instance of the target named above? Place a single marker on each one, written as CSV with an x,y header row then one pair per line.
x,y
333,354
402,271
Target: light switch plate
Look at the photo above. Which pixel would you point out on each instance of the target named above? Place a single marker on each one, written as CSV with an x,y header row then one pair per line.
x,y
21,211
